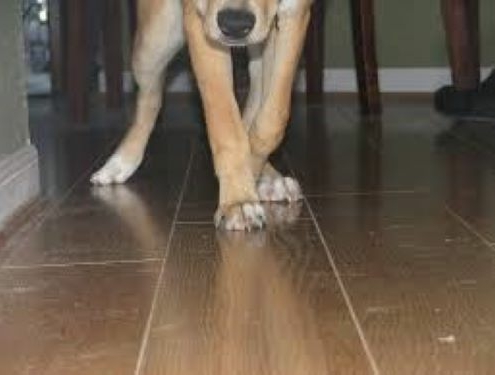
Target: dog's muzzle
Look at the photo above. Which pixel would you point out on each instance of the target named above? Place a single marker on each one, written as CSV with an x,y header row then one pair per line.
x,y
235,24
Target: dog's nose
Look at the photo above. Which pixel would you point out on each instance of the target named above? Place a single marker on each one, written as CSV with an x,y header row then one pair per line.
x,y
235,23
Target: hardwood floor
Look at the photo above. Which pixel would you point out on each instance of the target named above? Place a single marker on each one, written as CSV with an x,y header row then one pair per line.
x,y
386,267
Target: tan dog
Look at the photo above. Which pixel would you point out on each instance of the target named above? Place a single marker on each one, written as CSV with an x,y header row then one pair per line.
x,y
274,31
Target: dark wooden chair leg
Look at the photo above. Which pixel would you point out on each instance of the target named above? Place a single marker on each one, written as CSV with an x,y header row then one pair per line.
x,y
112,52
77,72
363,26
474,26
55,24
132,9
240,73
461,19
314,54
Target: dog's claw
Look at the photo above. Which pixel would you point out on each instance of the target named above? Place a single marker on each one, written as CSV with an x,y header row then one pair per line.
x,y
240,217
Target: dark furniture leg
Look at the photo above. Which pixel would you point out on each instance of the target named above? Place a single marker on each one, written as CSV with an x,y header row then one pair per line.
x,y
55,24
314,54
77,59
132,9
363,26
462,30
112,52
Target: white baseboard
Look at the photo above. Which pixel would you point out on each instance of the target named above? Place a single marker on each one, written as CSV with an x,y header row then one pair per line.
x,y
38,83
399,80
392,80
19,181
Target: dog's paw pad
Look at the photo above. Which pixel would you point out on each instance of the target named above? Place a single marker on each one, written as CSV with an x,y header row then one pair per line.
x,y
115,171
279,189
240,217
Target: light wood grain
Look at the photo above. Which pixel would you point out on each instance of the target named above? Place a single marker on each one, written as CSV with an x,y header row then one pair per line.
x,y
256,303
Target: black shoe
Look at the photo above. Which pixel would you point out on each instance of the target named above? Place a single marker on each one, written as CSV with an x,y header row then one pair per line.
x,y
453,102
487,87
468,104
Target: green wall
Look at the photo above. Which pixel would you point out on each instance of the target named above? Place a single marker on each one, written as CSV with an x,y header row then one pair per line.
x,y
409,33
13,106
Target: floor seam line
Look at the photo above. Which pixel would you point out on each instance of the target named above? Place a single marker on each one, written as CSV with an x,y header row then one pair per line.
x,y
469,227
344,292
77,264
340,282
368,193
145,338
192,222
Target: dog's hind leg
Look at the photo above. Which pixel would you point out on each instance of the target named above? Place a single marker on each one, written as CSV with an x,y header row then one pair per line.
x,y
159,38
239,207
271,185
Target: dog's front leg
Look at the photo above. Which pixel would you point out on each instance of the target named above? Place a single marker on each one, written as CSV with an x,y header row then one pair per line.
x,y
239,207
268,130
272,186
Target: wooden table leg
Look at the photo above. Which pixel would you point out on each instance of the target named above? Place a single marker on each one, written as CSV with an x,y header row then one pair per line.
x,y
112,52
314,53
461,19
77,60
363,26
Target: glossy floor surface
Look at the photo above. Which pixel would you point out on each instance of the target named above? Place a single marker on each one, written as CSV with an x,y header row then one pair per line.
x,y
387,267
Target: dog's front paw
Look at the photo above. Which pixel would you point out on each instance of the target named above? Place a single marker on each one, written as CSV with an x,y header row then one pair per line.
x,y
279,189
115,171
241,217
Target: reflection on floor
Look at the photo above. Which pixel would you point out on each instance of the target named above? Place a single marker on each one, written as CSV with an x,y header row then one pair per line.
x,y
387,267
